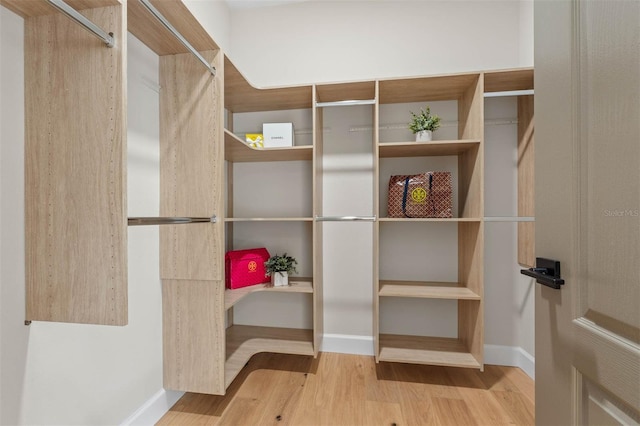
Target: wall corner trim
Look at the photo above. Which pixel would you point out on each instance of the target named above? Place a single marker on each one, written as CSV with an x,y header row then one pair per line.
x,y
153,409
510,356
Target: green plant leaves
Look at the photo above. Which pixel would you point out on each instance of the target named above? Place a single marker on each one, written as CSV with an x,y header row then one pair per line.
x,y
277,263
424,121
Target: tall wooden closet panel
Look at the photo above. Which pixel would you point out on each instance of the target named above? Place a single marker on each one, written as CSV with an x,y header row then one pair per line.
x,y
191,182
75,167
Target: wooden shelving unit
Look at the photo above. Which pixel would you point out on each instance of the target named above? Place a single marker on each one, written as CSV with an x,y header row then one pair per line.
x,y
236,151
466,349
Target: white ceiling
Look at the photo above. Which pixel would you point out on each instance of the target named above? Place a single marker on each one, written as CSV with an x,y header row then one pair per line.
x,y
248,4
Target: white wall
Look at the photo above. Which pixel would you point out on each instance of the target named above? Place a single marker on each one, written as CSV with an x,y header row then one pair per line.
x,y
54,373
322,41
215,18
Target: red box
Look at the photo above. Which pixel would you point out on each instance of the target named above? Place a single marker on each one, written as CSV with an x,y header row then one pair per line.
x,y
246,267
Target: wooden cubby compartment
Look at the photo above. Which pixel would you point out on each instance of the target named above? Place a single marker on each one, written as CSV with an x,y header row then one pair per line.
x,y
460,153
296,165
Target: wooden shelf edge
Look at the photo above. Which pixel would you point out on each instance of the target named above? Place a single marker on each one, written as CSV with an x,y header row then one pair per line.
x,y
297,285
449,352
237,151
245,341
427,149
426,290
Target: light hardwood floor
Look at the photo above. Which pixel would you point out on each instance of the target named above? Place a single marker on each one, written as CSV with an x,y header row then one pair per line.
x,y
339,389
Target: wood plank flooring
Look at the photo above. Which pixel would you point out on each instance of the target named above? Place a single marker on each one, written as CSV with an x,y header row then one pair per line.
x,y
339,389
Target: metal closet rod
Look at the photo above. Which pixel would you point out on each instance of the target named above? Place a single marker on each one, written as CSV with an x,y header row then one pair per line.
x,y
346,103
156,13
63,7
345,218
135,221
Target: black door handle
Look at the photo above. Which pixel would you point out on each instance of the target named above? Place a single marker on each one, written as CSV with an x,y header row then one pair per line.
x,y
546,272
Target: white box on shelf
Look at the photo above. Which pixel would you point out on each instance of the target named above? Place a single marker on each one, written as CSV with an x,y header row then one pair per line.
x,y
277,134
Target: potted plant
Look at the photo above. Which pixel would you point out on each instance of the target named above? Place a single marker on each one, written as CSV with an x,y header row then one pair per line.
x,y
423,124
279,268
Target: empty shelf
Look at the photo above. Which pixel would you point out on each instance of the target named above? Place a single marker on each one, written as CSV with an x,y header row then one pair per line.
x,y
428,290
244,341
426,350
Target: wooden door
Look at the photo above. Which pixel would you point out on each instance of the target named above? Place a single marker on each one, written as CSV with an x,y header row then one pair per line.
x,y
587,109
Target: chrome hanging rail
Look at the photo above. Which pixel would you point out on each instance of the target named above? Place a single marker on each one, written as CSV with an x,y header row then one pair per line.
x,y
156,13
346,103
345,218
63,7
135,221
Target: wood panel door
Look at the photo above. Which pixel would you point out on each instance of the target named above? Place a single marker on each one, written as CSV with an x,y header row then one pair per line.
x,y
587,106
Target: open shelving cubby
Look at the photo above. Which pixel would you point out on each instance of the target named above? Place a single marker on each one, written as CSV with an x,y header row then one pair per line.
x,y
434,276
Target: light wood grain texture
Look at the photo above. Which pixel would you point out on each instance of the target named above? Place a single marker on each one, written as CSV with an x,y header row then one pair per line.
x,y
296,285
191,167
241,96
193,336
151,32
340,389
75,170
318,268
31,8
508,80
245,341
471,272
434,148
237,151
360,90
426,350
526,181
425,89
470,163
427,290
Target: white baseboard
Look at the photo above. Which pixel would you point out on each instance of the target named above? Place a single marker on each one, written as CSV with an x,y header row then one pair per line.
x,y
153,409
347,344
511,356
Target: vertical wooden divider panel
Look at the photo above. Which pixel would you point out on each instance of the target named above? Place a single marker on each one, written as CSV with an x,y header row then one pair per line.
x,y
75,170
192,166
376,224
318,312
470,163
526,181
191,256
471,273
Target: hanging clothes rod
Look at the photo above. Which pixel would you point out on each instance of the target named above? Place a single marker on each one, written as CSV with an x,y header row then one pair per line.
x,y
345,218
156,13
135,221
346,103
63,7
508,93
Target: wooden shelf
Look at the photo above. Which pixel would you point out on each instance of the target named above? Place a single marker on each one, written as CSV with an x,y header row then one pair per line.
x,y
427,290
360,90
242,96
27,9
508,80
244,341
236,151
423,149
426,89
429,219
297,285
426,350
268,219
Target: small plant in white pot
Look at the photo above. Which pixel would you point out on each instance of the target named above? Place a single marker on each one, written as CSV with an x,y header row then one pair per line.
x,y
279,268
424,124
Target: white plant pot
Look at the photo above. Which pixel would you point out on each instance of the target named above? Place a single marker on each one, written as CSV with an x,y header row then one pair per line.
x,y
280,279
424,136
